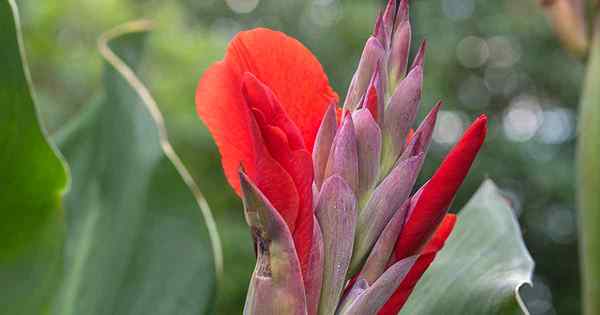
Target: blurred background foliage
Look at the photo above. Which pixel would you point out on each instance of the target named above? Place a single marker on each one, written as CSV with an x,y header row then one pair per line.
x,y
493,57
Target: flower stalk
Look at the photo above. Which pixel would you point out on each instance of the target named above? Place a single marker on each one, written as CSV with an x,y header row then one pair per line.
x,y
588,179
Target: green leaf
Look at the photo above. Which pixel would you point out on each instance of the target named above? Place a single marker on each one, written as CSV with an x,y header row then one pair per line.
x,y
32,181
481,267
140,241
588,179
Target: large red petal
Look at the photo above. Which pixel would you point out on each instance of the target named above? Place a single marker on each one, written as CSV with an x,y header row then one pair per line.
x,y
438,193
435,244
219,104
290,70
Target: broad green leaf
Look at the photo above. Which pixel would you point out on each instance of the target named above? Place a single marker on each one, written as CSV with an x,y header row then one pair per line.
x,y
32,181
140,240
481,267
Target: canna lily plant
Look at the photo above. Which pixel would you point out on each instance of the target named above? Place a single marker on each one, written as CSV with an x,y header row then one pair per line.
x,y
328,191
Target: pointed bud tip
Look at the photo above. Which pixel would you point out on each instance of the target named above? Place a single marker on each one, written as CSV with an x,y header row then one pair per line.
x,y
432,115
479,126
245,181
483,118
403,10
374,44
420,57
347,122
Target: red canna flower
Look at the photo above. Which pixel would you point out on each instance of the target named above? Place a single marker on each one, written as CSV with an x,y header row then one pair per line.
x,y
327,193
263,104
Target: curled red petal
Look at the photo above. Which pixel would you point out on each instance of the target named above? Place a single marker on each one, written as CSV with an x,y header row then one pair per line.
x,y
435,244
261,97
290,70
284,142
438,193
220,104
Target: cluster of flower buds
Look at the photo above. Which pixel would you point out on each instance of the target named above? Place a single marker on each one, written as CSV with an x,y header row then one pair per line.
x,y
329,193
371,240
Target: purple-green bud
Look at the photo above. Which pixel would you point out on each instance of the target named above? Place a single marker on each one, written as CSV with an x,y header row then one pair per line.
x,y
336,212
371,56
372,299
385,200
398,60
380,255
400,45
421,140
378,82
276,286
323,143
343,157
400,115
357,289
314,274
368,137
420,56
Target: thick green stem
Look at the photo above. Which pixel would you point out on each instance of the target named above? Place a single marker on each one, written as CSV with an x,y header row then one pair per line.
x,y
588,180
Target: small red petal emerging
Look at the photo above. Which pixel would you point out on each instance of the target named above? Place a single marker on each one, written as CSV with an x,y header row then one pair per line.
x,y
372,102
410,135
435,244
438,193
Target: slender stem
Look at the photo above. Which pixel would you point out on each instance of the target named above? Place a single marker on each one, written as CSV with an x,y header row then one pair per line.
x,y
588,168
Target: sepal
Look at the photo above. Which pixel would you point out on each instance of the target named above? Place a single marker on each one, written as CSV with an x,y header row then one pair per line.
x,y
276,286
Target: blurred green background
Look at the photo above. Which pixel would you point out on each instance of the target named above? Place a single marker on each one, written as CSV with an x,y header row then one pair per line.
x,y
493,57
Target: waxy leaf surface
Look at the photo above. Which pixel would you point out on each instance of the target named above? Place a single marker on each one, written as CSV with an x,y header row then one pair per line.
x,y
139,233
481,267
32,181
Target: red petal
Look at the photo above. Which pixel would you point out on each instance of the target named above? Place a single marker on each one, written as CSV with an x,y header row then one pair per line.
x,y
298,165
284,142
290,70
261,97
262,104
395,303
372,102
411,133
278,186
302,168
440,190
218,103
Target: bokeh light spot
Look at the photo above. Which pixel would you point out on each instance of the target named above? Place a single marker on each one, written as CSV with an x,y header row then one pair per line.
x,y
449,127
560,225
558,126
522,119
503,51
472,52
242,6
457,10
